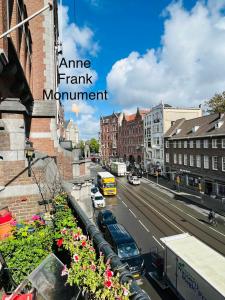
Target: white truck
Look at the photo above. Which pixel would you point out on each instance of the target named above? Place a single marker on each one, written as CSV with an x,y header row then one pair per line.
x,y
193,270
118,168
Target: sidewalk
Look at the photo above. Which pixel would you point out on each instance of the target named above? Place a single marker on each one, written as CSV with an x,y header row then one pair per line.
x,y
188,196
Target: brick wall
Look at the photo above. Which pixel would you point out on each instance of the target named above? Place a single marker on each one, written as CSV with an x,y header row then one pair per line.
x,y
23,207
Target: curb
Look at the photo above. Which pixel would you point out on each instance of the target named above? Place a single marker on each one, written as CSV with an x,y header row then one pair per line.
x,y
219,218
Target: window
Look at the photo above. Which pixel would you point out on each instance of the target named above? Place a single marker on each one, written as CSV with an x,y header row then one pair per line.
x,y
180,159
191,144
206,162
215,162
198,161
223,143
167,157
223,164
198,144
214,143
179,144
191,161
174,144
167,144
185,159
206,143
174,158
185,144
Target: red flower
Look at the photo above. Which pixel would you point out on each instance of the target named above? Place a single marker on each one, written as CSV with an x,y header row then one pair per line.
x,y
83,243
108,273
76,236
59,242
108,283
76,257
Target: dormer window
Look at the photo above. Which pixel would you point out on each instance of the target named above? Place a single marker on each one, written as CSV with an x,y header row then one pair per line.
x,y
195,128
219,124
178,130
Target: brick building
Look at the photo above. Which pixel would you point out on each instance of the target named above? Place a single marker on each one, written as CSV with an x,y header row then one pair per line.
x,y
131,137
108,137
195,154
28,65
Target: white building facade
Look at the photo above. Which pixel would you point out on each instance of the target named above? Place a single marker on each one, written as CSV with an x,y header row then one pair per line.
x,y
156,123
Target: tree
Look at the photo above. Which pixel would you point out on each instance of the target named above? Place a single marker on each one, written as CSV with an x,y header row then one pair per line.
x,y
216,104
94,145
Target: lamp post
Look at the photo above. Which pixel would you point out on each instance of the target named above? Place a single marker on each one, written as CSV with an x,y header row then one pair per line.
x,y
29,154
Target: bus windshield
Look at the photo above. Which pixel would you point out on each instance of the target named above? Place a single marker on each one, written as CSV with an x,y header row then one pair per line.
x,y
109,185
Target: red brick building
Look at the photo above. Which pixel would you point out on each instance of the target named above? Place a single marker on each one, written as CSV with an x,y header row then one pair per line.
x,y
109,126
28,65
131,137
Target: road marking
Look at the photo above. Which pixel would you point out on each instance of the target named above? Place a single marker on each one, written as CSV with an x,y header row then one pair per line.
x,y
143,225
132,213
158,242
157,212
124,203
118,197
183,211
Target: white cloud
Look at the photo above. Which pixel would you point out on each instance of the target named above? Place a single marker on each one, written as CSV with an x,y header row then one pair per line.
x,y
78,44
187,69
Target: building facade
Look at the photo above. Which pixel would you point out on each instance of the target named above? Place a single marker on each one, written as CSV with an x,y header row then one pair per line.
x,y
131,138
28,65
156,123
72,132
109,126
195,154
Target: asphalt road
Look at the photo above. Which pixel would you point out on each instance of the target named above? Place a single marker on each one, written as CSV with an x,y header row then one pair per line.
x,y
149,214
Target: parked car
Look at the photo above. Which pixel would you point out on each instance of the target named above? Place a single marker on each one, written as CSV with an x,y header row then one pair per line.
x,y
105,217
94,190
125,247
133,179
98,200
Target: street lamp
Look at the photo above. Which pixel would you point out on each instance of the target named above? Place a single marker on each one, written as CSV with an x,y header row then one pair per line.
x,y
29,154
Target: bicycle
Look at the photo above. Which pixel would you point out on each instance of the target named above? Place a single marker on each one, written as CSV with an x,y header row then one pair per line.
x,y
213,222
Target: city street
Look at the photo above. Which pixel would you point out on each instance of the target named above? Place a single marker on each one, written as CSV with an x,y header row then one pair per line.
x,y
149,214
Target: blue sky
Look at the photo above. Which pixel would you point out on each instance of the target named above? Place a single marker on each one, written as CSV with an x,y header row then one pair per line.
x,y
144,52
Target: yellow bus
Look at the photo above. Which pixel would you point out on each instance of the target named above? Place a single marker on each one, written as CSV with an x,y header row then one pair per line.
x,y
106,183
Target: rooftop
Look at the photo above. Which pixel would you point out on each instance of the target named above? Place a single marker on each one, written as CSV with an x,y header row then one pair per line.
x,y
210,125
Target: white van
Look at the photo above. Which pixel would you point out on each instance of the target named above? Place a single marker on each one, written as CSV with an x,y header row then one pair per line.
x,y
98,200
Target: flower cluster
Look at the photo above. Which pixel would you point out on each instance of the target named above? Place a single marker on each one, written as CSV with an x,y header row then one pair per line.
x,y
87,269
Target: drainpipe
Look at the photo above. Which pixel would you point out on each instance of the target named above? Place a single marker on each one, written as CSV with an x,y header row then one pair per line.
x,y
125,276
49,6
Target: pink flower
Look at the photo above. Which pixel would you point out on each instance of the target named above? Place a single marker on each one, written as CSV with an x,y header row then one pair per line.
x,y
59,242
13,223
76,236
35,217
108,273
64,230
125,291
93,267
92,249
76,257
64,271
108,283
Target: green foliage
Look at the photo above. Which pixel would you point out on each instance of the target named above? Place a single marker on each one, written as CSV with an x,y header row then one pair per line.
x,y
216,104
25,250
94,145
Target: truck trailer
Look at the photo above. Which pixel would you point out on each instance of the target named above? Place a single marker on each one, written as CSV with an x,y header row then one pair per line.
x,y
118,168
193,270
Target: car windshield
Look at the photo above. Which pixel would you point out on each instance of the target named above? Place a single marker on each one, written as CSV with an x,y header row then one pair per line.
x,y
108,217
109,185
98,198
94,190
127,250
